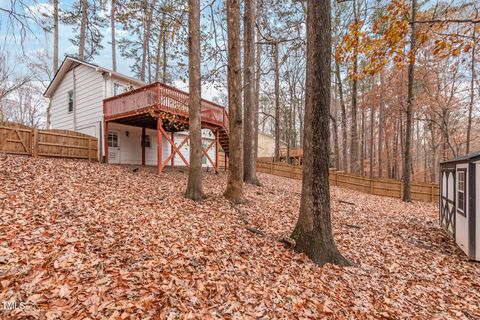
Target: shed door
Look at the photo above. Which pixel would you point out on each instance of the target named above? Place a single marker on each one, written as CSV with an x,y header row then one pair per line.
x,y
113,146
462,214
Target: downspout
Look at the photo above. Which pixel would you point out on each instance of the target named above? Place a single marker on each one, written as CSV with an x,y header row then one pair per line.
x,y
74,100
101,148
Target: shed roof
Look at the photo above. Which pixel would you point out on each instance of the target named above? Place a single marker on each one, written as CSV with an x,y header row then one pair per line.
x,y
466,158
67,63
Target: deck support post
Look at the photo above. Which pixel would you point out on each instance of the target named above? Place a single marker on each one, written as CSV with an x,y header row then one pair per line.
x,y
159,145
172,151
217,138
226,160
143,146
105,135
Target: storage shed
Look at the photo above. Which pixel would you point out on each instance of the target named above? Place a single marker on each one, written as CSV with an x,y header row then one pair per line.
x,y
460,202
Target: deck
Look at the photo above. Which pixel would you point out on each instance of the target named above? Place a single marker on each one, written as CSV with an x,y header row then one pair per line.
x,y
164,108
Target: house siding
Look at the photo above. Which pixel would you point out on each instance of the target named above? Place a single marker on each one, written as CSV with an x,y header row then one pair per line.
x,y
131,150
87,85
61,118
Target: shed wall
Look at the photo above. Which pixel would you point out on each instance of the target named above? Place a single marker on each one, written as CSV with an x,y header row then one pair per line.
x,y
477,207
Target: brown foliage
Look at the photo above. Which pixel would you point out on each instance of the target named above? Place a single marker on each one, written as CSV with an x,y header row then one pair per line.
x,y
80,239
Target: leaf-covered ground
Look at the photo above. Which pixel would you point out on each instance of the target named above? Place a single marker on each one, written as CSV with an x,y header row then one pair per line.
x,y
85,240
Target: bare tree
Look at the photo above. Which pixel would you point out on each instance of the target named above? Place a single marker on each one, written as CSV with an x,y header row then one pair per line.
x,y
344,117
194,186
10,80
472,94
381,126
234,190
55,36
354,165
277,100
113,10
407,197
83,29
313,231
249,164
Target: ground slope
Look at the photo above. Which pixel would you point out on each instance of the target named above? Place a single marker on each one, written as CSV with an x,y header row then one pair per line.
x,y
80,239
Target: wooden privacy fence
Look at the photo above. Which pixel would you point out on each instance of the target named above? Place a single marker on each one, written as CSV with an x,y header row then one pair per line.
x,y
381,187
16,138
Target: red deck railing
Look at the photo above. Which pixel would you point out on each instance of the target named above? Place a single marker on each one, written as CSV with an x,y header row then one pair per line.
x,y
165,98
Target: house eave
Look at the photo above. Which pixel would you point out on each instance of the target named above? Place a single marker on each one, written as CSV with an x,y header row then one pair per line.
x,y
65,67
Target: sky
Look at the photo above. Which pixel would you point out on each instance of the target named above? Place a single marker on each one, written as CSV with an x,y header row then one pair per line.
x,y
37,40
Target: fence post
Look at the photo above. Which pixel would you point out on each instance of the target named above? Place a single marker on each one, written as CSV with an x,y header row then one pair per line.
x,y
432,192
271,167
336,179
401,190
32,142
89,143
371,186
35,143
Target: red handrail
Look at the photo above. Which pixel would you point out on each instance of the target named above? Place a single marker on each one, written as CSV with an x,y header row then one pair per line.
x,y
165,98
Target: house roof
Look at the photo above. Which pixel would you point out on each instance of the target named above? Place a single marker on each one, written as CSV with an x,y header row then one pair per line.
x,y
466,158
70,61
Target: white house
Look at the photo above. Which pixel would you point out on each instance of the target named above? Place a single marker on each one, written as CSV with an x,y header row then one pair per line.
x,y
77,95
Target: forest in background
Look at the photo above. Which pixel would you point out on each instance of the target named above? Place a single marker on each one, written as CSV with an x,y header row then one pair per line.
x,y
371,49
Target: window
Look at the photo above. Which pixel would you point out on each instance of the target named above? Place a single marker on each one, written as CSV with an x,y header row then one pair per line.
x,y
70,101
461,199
119,89
113,139
148,143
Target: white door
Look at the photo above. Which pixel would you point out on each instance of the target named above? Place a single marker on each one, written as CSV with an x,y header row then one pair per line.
x,y
113,146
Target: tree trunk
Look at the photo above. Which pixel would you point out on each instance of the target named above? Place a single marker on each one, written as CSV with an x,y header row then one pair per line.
x,y
83,29
277,102
250,163
194,185
55,36
344,117
433,153
112,26
362,145
336,150
257,92
234,190
407,197
372,139
472,96
418,146
158,58
55,56
380,127
313,231
395,149
354,165
165,56
258,72
300,113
